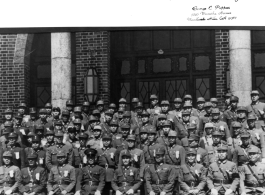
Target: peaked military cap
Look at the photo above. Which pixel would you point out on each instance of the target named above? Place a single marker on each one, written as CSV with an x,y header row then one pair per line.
x,y
59,134
114,122
207,104
86,104
135,100
59,123
18,116
121,110
185,112
209,125
194,137
179,100
109,112
69,103
32,155
215,100
65,113
187,96
143,130
12,135
83,135
71,129
90,152
139,105
191,151
200,99
234,99
167,123
77,121
160,150
50,132
35,138
236,124
8,111
122,100
97,127
161,116
241,108
215,111
153,96
172,133
8,124
56,109
245,134
32,110
222,147
251,117
127,114
194,144
78,109
255,92
145,113
191,126
125,126
228,95
164,102
61,153
216,133
253,149
112,105
31,134
126,153
131,137
152,130
7,154
187,104
92,118
22,105
96,112
40,127
106,137
43,111
48,105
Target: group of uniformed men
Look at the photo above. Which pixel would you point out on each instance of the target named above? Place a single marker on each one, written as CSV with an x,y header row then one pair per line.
x,y
154,151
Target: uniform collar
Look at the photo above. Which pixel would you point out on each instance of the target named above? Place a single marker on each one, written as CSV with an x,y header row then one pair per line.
x,y
126,167
62,165
191,165
90,166
59,145
222,162
7,166
105,149
257,102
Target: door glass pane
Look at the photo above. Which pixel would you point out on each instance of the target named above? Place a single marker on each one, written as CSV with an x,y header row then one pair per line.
x,y
170,90
260,86
259,60
126,92
154,88
202,63
143,92
181,88
43,96
141,66
183,63
125,67
203,88
162,65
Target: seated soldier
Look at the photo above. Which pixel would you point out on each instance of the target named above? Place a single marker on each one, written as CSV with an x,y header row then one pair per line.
x,y
160,177
222,177
252,174
62,178
91,180
194,175
126,178
207,138
10,175
96,141
34,177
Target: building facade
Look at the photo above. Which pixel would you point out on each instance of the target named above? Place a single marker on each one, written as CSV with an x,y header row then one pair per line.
x,y
50,67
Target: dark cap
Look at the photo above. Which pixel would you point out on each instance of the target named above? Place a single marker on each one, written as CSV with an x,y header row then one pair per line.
x,y
215,111
90,152
18,116
69,103
35,138
139,105
32,110
77,121
114,122
164,102
192,126
126,153
228,95
127,114
109,112
59,134
207,104
191,151
255,92
7,130
50,132
216,133
185,112
65,113
222,147
153,96
92,118
214,100
251,117
106,137
59,123
43,111
12,135
61,153
54,109
241,108
125,126
160,150
161,116
145,113
245,133
71,129
179,100
200,99
167,123
22,105
135,100
131,137
48,105
32,155
8,111
83,135
8,124
143,130
78,109
31,134
234,98
39,127
96,112
152,130
86,104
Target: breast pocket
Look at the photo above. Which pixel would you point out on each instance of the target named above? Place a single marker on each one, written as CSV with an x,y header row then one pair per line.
x,y
25,179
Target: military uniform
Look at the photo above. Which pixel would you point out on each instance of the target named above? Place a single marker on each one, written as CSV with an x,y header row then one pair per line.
x,y
230,115
194,176
61,177
33,179
160,177
126,178
223,175
10,176
91,178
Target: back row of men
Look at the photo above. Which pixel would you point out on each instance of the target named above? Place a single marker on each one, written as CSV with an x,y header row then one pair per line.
x,y
187,150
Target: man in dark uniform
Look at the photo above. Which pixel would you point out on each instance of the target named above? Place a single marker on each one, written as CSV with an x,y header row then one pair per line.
x,y
241,114
33,119
257,108
123,103
52,151
200,112
230,115
65,120
222,177
93,121
126,178
155,109
143,137
56,112
113,107
8,114
252,174
22,109
10,175
50,139
144,121
16,151
78,115
160,177
96,141
105,125
91,180
100,107
70,108
114,128
34,177
62,177
194,175
133,108
178,108
85,111
43,119
136,117
48,107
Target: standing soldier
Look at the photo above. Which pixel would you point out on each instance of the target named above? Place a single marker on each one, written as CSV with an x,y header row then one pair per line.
x,y
41,133
134,103
79,157
105,125
163,138
241,114
160,177
65,120
194,175
93,121
78,115
62,177
48,107
207,118
85,111
257,108
114,134
70,107
126,178
73,138
155,109
184,122
175,154
50,139
34,177
10,175
52,151
100,107
137,155
145,122
96,141
37,150
113,107
123,103
200,112
17,152
178,108
33,119
230,115
8,117
22,109
222,177
91,180
143,137
136,117
207,138
252,174
236,131
43,119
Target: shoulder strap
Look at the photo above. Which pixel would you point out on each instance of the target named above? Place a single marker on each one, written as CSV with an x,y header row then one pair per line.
x,y
221,170
167,150
192,173
252,172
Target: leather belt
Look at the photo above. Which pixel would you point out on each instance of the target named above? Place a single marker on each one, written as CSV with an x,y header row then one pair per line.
x,y
158,182
221,181
124,184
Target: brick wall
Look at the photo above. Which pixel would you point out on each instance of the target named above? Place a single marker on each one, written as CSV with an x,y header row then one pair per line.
x,y
14,71
98,42
222,63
